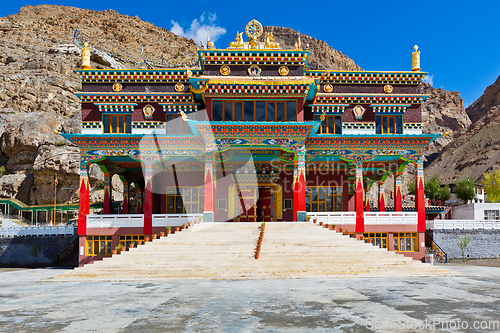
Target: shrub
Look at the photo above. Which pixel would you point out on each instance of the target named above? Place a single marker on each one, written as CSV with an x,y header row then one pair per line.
x,y
466,189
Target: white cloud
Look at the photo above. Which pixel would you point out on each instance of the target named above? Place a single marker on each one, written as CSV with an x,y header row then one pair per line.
x,y
199,29
429,79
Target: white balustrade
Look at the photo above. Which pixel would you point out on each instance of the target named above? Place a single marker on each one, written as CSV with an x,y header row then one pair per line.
x,y
391,218
173,220
38,231
371,218
463,224
115,221
340,218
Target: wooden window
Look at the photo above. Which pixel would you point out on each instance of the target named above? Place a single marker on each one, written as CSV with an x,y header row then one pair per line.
x,y
185,200
99,245
330,125
117,123
389,124
288,204
379,239
175,124
125,240
406,241
491,215
323,198
254,110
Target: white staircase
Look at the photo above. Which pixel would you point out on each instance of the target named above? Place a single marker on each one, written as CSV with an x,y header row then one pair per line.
x,y
225,251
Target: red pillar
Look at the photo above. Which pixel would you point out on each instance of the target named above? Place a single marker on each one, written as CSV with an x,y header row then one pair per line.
x,y
139,200
398,198
367,205
358,186
107,194
148,200
125,196
84,200
301,190
419,196
381,197
208,210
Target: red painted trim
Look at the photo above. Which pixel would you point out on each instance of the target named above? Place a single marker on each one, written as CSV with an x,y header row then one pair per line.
x,y
420,205
84,208
301,194
381,204
148,209
360,215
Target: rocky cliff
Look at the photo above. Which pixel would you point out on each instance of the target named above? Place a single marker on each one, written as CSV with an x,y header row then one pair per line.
x,y
477,150
37,86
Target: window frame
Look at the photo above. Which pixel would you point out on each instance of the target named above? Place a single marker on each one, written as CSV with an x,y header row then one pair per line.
x,y
397,119
245,103
378,238
329,118
91,242
492,215
180,195
123,119
403,236
333,194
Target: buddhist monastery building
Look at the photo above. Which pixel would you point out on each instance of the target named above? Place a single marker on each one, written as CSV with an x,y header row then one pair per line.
x,y
252,135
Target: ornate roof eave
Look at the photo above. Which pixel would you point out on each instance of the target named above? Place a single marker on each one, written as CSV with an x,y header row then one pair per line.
x,y
343,98
253,57
132,97
367,77
136,75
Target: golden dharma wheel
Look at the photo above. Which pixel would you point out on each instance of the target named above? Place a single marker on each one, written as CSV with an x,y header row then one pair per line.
x,y
328,88
117,87
283,71
225,70
179,87
388,89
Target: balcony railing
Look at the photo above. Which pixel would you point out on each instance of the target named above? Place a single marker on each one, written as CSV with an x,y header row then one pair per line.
x,y
115,221
371,218
463,224
172,220
38,231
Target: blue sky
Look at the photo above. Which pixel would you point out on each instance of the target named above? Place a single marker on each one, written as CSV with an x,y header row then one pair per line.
x,y
459,40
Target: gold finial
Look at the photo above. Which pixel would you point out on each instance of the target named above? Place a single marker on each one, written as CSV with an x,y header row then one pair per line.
x,y
184,116
86,56
416,60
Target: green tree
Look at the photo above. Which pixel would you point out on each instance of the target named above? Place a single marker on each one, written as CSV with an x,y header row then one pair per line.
x,y
445,193
463,242
411,188
432,188
492,185
466,189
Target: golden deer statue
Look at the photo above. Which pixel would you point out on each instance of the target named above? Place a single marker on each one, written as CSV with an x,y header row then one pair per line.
x,y
238,42
270,43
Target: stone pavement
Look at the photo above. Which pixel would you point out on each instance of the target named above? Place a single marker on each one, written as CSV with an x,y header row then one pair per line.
x,y
454,304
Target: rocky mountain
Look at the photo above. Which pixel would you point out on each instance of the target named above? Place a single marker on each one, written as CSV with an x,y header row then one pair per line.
x,y
37,86
477,150
322,55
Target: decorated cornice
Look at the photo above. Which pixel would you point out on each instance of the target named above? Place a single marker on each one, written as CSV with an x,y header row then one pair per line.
x,y
383,141
135,75
116,107
176,108
364,77
389,108
253,57
258,88
284,134
335,98
129,98
328,108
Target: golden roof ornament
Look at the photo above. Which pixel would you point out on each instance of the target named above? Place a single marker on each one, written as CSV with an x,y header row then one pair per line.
x,y
270,43
415,60
86,56
253,30
239,41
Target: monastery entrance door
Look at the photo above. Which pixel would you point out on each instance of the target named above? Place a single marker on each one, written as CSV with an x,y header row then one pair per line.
x,y
264,211
260,203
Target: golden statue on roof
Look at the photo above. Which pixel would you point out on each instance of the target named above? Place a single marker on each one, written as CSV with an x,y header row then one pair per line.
x,y
86,56
238,43
415,60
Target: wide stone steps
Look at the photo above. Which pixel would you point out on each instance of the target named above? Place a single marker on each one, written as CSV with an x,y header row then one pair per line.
x,y
225,251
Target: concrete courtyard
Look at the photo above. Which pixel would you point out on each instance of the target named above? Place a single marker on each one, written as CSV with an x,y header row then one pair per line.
x,y
466,303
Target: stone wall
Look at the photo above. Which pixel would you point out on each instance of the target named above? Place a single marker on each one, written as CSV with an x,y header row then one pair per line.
x,y
485,243
19,251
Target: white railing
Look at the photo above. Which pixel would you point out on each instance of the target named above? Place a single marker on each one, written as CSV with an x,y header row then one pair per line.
x,y
115,221
173,220
371,218
340,218
38,231
391,218
463,224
